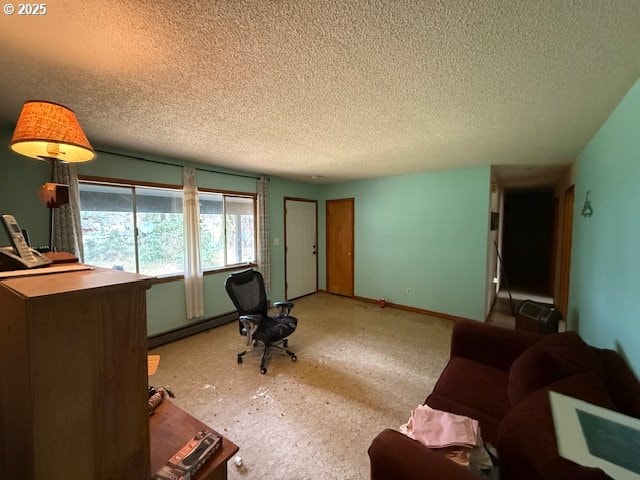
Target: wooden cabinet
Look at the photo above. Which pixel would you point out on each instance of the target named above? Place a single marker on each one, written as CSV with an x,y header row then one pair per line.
x,y
73,376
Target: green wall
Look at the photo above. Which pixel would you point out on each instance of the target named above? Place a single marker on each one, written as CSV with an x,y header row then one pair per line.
x,y
20,179
605,265
425,232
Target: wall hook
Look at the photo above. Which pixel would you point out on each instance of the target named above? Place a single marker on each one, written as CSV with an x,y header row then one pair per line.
x,y
587,210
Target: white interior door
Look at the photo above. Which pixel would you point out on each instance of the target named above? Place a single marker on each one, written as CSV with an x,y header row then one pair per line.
x,y
301,248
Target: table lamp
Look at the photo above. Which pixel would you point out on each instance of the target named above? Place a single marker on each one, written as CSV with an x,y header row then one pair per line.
x,y
49,131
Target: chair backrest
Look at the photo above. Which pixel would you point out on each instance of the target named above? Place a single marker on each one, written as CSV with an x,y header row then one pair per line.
x,y
246,290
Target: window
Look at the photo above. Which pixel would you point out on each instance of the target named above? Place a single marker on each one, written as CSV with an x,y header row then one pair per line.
x,y
140,228
132,228
227,229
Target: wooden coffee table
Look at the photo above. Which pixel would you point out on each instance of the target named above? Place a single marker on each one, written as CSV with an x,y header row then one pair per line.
x,y
170,428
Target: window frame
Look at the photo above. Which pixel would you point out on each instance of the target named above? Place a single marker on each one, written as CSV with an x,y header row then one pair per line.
x,y
170,277
231,193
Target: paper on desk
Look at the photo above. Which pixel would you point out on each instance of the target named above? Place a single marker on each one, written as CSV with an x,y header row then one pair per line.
x,y
45,270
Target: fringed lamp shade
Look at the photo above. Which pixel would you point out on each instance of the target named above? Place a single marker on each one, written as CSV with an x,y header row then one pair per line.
x,y
47,130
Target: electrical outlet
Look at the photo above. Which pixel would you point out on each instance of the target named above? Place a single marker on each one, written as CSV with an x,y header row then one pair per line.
x,y
276,241
409,290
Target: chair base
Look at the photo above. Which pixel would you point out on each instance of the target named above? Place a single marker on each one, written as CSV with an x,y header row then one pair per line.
x,y
280,346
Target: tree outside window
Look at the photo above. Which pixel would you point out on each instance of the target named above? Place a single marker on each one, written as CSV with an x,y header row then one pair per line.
x,y
141,229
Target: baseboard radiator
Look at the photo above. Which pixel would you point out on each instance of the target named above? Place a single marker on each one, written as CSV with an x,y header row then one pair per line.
x,y
191,329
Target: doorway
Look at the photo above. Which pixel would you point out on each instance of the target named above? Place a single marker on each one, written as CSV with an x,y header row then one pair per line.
x,y
301,247
527,242
340,243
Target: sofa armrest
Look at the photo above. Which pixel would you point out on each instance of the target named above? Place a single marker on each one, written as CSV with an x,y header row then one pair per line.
x,y
395,456
490,345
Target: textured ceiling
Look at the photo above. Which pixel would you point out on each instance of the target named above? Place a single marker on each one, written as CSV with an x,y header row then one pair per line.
x,y
338,89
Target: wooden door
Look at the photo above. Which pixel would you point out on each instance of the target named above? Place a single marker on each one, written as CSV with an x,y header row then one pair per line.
x,y
301,241
340,254
565,251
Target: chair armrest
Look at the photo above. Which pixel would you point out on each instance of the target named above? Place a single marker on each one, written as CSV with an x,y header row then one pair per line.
x,y
395,456
251,324
490,345
283,308
254,319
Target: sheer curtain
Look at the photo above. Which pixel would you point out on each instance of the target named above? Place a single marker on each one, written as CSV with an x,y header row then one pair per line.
x,y
264,236
67,231
193,281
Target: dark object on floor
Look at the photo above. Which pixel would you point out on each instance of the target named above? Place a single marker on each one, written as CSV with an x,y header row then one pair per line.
x,y
246,290
502,378
156,395
537,317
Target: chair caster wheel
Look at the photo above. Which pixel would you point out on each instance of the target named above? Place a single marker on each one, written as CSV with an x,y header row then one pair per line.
x,y
294,359
285,343
263,370
239,360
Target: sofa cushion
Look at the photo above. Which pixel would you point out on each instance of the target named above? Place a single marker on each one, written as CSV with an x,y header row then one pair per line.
x,y
555,357
395,456
621,382
527,442
475,390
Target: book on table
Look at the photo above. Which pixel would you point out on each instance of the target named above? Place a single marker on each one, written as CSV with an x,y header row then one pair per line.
x,y
188,460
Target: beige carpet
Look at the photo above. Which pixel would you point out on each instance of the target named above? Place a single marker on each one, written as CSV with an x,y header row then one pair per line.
x,y
360,369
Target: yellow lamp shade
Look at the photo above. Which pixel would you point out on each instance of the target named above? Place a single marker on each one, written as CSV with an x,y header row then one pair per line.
x,y
47,130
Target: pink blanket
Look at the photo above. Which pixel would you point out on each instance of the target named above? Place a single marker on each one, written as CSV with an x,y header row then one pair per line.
x,y
438,429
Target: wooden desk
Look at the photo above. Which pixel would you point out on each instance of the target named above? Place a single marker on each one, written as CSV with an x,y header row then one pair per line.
x,y
170,428
73,376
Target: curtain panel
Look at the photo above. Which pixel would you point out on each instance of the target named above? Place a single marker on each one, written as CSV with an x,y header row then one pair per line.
x,y
193,278
264,234
67,230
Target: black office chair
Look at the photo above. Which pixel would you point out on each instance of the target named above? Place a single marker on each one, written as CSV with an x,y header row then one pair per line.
x,y
246,290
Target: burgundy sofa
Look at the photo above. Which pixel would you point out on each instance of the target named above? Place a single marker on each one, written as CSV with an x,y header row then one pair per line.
x,y
502,378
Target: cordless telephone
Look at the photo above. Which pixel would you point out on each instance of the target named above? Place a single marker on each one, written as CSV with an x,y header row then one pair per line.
x,y
21,255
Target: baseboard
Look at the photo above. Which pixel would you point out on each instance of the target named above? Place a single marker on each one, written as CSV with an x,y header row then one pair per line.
x,y
191,329
413,309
